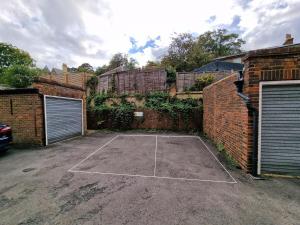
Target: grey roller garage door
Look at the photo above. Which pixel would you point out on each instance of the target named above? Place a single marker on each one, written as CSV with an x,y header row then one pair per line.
x,y
280,129
63,118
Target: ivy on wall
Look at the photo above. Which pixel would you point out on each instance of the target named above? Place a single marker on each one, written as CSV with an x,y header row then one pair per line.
x,y
202,82
121,112
175,107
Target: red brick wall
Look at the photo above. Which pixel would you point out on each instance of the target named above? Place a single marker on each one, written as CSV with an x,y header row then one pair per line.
x,y
274,64
53,88
270,65
225,118
153,120
24,113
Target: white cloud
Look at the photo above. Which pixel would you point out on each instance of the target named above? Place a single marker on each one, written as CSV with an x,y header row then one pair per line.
x,y
92,31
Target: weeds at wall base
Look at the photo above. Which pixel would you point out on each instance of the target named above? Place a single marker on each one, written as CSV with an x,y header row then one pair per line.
x,y
223,153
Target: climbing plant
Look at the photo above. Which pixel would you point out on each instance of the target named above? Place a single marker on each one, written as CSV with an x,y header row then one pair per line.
x,y
201,82
92,84
120,114
175,107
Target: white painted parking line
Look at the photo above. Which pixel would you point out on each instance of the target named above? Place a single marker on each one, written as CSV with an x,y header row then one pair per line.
x,y
113,174
158,177
153,135
156,147
107,143
155,155
207,148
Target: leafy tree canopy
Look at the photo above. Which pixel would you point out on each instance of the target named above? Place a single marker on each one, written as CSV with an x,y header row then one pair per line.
x,y
120,59
117,60
11,55
100,70
153,64
19,76
85,67
179,52
187,52
220,43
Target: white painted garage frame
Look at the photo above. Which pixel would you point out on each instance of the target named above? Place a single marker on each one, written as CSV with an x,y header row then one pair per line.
x,y
261,84
45,113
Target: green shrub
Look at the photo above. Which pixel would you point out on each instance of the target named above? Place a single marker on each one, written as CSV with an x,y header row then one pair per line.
x,y
138,96
171,75
122,116
203,81
92,84
154,99
162,102
221,148
100,99
19,76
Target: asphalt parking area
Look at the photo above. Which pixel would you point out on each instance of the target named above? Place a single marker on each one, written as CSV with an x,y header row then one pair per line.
x,y
111,178
184,158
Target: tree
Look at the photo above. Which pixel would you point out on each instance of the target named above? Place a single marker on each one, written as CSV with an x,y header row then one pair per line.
x,y
179,51
19,76
220,43
152,64
100,70
11,55
132,63
171,75
85,67
117,60
187,52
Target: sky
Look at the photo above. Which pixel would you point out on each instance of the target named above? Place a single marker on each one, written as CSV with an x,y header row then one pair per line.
x,y
79,31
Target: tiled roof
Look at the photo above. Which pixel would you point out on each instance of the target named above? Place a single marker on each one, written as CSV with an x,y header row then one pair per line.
x,y
220,66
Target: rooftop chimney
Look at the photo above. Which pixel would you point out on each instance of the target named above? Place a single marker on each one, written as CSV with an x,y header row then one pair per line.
x,y
64,68
289,40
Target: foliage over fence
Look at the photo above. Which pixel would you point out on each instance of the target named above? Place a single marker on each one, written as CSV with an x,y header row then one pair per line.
x,y
202,82
120,112
188,81
162,102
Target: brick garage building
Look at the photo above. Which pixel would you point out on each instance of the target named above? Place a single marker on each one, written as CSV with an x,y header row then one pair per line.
x,y
24,109
259,125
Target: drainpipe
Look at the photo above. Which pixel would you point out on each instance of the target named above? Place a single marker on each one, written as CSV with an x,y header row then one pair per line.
x,y
253,112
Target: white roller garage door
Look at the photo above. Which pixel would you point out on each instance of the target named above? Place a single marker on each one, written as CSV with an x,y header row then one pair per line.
x,y
63,118
279,138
